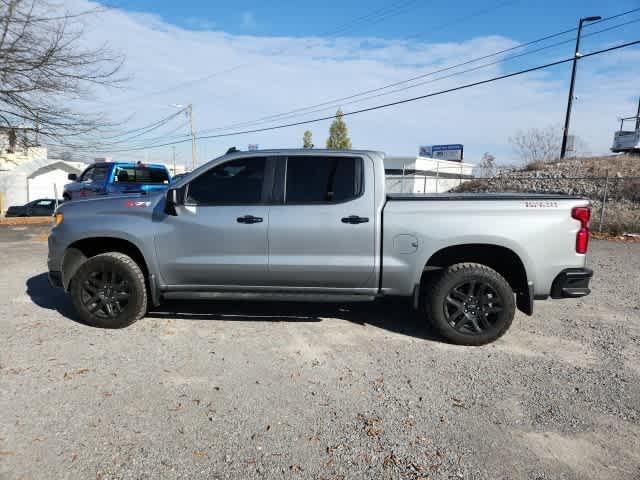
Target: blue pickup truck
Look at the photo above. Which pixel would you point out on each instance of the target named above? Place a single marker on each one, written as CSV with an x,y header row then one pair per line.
x,y
108,178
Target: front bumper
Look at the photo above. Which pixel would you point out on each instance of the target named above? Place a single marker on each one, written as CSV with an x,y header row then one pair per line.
x,y
572,283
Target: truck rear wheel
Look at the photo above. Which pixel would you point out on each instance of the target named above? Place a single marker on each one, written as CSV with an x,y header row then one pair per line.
x,y
109,291
470,304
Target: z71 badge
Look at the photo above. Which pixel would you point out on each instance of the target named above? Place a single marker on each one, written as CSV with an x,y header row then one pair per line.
x,y
136,204
541,204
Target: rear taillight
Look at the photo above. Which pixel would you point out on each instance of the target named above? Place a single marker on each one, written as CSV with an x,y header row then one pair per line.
x,y
582,214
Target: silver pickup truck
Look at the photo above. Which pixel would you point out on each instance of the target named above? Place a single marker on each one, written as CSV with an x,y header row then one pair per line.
x,y
317,225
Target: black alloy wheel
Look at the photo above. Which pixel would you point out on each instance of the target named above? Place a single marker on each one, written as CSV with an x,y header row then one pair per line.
x,y
105,293
473,307
109,291
470,304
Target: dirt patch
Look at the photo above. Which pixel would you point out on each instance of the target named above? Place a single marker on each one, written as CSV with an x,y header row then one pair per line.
x,y
12,221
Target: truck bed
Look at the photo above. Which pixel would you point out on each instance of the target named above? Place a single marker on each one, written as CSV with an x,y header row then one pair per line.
x,y
537,228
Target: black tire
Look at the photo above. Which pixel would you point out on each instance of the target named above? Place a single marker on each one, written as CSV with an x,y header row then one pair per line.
x,y
470,304
109,291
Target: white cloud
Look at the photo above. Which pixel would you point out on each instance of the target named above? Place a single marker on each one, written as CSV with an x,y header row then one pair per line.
x,y
277,74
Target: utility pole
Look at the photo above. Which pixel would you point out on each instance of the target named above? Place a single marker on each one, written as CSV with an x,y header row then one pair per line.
x,y
638,116
194,153
576,56
173,147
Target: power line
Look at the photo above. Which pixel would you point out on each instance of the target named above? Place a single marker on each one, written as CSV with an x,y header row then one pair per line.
x,y
376,16
462,72
308,110
158,137
291,113
141,134
454,74
141,131
329,102
151,126
236,67
407,100
464,18
183,84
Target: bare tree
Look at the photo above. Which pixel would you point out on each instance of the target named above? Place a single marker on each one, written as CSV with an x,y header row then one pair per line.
x,y
487,165
44,67
537,144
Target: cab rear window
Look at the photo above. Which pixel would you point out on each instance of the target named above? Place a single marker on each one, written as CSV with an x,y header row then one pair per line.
x,y
141,175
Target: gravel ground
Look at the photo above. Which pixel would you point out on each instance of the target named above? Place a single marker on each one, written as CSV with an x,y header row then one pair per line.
x,y
224,390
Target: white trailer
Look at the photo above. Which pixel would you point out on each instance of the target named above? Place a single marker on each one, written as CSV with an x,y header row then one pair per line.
x,y
628,141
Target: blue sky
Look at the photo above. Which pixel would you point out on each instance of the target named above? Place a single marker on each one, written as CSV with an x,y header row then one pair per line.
x,y
429,20
244,60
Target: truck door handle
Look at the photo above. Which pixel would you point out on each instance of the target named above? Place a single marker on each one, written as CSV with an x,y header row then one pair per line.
x,y
354,219
249,219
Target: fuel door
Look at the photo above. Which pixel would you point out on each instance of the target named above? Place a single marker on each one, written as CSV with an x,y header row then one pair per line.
x,y
405,244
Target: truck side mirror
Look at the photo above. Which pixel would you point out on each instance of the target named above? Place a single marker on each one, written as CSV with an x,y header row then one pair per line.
x,y
174,198
72,176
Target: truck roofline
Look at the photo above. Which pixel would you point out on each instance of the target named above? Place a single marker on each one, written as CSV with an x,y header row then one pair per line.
x,y
131,164
301,151
276,152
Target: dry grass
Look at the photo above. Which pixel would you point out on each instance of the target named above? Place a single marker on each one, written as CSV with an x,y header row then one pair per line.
x,y
620,165
535,166
619,218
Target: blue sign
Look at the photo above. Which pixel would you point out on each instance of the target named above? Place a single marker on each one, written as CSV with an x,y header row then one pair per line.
x,y
452,152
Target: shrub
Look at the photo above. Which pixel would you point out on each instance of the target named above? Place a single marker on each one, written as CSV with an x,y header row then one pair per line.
x,y
535,165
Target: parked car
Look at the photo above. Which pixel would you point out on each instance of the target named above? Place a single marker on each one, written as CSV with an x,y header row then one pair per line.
x,y
43,207
317,225
117,178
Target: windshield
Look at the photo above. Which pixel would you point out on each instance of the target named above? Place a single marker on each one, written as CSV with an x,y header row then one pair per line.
x,y
94,174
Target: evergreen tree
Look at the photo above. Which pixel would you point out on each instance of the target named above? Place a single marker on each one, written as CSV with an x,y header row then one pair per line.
x,y
338,134
307,139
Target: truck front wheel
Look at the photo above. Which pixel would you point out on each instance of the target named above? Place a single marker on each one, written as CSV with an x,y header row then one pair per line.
x,y
470,304
109,291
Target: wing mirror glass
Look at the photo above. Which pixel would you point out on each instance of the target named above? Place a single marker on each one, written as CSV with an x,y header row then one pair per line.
x,y
72,176
174,198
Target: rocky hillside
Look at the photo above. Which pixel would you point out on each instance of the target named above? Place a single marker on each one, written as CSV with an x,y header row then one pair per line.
x,y
581,176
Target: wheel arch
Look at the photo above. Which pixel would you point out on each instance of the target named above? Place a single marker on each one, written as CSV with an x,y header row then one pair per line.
x,y
500,258
80,250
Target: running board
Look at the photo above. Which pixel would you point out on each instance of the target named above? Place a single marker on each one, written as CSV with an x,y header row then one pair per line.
x,y
269,296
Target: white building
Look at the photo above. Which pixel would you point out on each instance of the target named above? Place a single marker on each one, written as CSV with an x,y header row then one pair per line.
x,y
43,178
49,181
424,175
15,149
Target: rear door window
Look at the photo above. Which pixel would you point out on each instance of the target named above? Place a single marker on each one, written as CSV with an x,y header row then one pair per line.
x,y
316,179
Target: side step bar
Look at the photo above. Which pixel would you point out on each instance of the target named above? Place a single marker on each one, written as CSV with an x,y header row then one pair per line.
x,y
268,296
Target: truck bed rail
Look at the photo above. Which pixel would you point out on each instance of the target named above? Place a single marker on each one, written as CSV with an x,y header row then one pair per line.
x,y
480,196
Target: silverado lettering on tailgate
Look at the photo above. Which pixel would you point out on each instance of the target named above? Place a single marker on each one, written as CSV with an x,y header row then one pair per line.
x,y
541,204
